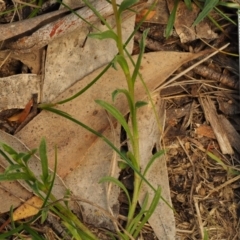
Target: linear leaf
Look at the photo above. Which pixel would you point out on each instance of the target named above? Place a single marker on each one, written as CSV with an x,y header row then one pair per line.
x,y
104,35
116,114
118,183
125,5
208,7
171,19
44,160
15,176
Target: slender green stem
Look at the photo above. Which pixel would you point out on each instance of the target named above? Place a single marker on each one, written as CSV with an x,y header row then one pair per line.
x,y
133,116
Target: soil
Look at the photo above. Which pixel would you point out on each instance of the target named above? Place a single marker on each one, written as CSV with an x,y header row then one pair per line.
x,y
204,182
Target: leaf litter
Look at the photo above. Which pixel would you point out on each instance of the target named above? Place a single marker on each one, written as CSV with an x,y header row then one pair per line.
x,y
202,180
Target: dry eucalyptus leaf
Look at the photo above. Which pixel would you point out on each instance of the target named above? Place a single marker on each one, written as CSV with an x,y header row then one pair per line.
x,y
17,90
73,56
162,220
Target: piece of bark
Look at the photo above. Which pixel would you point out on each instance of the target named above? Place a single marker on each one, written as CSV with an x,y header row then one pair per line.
x,y
218,128
233,136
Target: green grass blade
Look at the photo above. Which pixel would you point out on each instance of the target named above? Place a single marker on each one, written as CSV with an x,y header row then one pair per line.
x,y
11,233
153,158
171,19
116,114
123,63
217,159
15,176
138,63
42,106
208,7
188,3
109,34
6,156
225,16
44,160
118,183
33,233
135,222
149,212
125,4
73,231
126,93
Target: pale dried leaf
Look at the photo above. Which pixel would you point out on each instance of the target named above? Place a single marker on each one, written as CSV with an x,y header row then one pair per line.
x,y
17,90
162,220
86,55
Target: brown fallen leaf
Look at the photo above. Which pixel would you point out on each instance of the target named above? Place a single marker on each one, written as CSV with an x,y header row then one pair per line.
x,y
206,131
20,117
142,14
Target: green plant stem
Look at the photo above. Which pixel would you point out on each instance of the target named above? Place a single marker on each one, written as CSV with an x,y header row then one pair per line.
x,y
70,217
133,116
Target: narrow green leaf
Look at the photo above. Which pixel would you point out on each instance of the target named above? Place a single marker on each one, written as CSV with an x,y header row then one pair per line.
x,y
44,160
139,60
104,35
15,176
6,157
9,150
28,156
217,159
135,222
125,5
230,5
139,104
149,212
73,231
153,158
208,7
11,233
188,4
116,114
32,232
123,63
11,168
205,236
118,183
126,93
171,19
44,215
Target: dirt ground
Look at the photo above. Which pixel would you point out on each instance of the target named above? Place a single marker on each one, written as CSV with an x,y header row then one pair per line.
x,y
200,106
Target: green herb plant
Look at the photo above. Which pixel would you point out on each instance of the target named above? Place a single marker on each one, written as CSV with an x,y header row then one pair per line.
x,y
42,187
